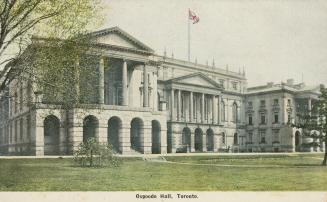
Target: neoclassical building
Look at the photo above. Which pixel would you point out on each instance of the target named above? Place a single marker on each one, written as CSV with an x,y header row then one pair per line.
x,y
146,103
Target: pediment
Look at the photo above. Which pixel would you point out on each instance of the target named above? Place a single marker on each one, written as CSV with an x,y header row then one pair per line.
x,y
117,37
197,79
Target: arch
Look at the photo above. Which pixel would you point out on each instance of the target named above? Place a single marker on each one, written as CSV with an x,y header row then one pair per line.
x,y
198,139
136,134
51,135
114,129
234,112
186,139
235,139
90,127
156,137
210,140
297,140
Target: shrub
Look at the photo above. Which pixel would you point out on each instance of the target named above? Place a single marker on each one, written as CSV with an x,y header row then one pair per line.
x,y
94,154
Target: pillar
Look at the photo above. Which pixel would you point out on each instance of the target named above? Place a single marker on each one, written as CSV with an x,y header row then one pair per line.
x,y
124,84
191,107
146,141
101,81
214,109
172,104
192,142
215,142
124,138
202,109
179,104
145,87
204,142
103,133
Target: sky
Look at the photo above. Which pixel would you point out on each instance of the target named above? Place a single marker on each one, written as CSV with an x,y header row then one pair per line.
x,y
272,39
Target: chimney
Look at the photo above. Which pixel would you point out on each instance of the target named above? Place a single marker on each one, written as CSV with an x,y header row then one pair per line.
x,y
290,82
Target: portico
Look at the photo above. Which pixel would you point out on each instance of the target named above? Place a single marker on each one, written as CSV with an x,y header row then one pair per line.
x,y
194,109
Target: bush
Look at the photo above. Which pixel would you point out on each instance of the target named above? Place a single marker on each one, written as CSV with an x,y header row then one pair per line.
x,y
93,154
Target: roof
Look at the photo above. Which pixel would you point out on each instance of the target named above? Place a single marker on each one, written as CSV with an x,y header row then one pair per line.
x,y
122,33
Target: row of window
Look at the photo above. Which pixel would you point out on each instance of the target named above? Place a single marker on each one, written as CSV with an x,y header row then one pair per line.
x,y
263,103
263,119
262,137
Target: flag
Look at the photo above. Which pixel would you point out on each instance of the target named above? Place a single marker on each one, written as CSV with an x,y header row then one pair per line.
x,y
192,16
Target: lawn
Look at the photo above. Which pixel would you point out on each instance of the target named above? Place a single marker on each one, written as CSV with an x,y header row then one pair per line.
x,y
196,173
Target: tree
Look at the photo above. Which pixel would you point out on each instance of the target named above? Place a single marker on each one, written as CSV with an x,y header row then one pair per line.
x,y
93,154
316,118
20,19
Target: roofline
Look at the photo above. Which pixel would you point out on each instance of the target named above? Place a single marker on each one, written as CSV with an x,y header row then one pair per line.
x,y
127,35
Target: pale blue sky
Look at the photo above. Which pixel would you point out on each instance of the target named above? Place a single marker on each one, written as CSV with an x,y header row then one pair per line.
x,y
274,40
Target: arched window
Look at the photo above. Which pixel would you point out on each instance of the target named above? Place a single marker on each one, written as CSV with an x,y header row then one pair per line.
x,y
235,117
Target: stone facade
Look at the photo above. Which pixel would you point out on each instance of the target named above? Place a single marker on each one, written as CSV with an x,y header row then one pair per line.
x,y
145,103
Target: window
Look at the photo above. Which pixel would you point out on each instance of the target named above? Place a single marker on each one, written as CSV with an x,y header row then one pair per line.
x,y
250,119
235,117
289,118
262,103
250,137
275,101
263,118
276,118
250,104
234,85
235,139
262,136
206,108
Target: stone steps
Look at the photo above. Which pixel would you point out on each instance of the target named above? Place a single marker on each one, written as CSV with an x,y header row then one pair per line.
x,y
154,159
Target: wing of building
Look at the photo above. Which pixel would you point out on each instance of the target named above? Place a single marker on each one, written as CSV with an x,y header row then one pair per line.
x,y
146,103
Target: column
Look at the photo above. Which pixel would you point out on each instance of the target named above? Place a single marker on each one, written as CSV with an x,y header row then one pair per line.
x,y
103,132
192,142
214,109
146,141
204,142
145,87
172,104
202,108
218,110
216,142
124,138
179,104
124,84
101,81
191,107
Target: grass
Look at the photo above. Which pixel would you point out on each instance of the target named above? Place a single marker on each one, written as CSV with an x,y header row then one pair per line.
x,y
300,173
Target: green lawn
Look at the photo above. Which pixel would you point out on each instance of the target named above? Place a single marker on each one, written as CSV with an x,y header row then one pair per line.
x,y
299,173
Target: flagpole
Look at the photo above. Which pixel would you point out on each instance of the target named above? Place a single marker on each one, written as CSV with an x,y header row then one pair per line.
x,y
189,36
